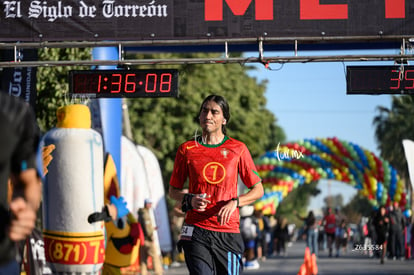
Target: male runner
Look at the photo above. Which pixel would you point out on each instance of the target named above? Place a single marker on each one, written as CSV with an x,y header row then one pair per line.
x,y
210,235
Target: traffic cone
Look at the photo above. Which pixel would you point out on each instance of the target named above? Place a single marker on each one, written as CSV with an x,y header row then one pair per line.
x,y
307,253
308,261
303,270
314,266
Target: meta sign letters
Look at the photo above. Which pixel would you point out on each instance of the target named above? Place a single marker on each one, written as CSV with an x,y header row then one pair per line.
x,y
117,20
308,9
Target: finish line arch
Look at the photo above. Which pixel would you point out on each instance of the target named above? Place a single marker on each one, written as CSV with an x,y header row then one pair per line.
x,y
293,164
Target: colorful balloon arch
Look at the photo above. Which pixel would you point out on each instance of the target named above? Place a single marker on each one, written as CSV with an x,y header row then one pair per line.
x,y
293,164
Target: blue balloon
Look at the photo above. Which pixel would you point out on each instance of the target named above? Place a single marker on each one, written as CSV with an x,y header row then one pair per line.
x,y
379,191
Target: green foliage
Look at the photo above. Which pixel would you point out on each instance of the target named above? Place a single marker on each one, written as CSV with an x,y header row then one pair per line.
x,y
358,207
52,84
298,201
334,201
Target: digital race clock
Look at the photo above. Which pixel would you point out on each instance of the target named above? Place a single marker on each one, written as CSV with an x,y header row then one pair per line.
x,y
124,83
380,80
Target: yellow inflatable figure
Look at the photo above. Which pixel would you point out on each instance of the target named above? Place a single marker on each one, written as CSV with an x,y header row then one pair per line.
x,y
123,232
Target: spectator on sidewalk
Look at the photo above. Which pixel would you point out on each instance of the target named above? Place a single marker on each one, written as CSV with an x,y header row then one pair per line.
x,y
148,249
263,227
248,231
341,238
281,236
381,222
329,223
396,233
311,229
372,233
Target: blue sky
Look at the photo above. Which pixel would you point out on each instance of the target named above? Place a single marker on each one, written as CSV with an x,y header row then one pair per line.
x,y
309,100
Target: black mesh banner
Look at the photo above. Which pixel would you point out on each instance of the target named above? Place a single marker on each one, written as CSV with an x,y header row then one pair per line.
x,y
117,20
20,81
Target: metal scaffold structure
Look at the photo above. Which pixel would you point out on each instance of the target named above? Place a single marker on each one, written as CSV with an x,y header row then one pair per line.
x,y
292,49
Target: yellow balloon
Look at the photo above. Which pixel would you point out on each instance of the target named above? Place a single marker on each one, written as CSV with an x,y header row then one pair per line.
x,y
267,211
373,184
364,192
397,197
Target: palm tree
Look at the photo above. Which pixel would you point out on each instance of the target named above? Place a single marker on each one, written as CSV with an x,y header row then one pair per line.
x,y
392,127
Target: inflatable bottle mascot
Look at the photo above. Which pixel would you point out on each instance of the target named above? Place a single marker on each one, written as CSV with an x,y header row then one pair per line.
x,y
73,188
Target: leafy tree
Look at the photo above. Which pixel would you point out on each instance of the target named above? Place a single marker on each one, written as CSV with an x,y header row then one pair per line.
x,y
358,207
334,201
298,200
52,83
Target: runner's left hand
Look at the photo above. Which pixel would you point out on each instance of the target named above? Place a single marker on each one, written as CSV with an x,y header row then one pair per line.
x,y
226,211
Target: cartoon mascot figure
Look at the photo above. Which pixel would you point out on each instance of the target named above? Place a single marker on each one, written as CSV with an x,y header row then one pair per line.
x,y
123,232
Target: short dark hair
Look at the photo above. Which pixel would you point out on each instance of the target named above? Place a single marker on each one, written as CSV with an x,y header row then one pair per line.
x,y
222,102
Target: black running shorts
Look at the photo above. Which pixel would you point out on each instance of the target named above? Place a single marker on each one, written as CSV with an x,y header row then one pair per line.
x,y
211,252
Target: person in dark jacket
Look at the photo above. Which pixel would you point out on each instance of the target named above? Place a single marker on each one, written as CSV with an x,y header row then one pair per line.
x,y
381,223
281,236
19,174
396,234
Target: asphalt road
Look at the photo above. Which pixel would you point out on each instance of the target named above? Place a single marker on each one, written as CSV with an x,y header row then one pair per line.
x,y
352,263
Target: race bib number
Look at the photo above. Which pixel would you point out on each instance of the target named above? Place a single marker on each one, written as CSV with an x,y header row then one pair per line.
x,y
186,232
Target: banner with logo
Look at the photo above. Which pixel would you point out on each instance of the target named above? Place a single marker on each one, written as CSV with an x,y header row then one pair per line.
x,y
92,20
20,81
34,259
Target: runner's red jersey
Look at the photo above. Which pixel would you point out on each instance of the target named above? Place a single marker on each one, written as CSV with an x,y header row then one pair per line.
x,y
330,223
214,170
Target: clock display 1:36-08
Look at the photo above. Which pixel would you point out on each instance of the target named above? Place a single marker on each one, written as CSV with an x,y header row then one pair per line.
x,y
131,83
124,83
